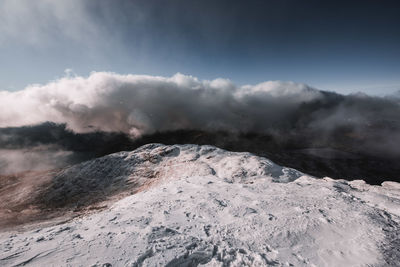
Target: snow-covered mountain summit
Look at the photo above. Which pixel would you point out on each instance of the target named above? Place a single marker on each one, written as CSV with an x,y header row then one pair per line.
x,y
189,205
153,163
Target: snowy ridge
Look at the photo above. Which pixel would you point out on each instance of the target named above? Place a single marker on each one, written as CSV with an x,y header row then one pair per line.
x,y
153,163
200,205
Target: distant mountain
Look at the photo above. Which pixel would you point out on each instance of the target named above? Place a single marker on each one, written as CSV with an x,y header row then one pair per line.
x,y
353,154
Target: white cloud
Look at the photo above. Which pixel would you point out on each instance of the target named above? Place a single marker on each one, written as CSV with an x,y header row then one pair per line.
x,y
139,104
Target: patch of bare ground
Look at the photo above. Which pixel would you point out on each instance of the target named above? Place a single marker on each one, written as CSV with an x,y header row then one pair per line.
x,y
18,194
48,197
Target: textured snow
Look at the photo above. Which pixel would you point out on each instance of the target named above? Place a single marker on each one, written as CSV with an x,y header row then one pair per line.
x,y
205,206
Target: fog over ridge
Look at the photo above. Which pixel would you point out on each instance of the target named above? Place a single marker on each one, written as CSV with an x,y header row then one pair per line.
x,y
111,110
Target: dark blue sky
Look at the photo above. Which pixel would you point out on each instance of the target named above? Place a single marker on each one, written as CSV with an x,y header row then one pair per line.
x,y
343,46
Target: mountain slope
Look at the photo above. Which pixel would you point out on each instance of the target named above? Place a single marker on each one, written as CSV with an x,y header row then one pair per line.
x,y
200,205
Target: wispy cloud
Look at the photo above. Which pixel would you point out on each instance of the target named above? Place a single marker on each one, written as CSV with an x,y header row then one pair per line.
x,y
45,22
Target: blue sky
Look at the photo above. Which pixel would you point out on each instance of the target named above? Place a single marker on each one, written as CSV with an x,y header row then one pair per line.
x,y
332,45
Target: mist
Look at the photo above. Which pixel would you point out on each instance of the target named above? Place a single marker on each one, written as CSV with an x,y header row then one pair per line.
x,y
37,159
49,146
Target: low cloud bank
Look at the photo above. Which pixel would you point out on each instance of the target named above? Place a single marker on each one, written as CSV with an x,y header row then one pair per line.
x,y
144,104
137,105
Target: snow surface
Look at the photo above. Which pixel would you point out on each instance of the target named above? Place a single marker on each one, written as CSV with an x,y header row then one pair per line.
x,y
207,206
